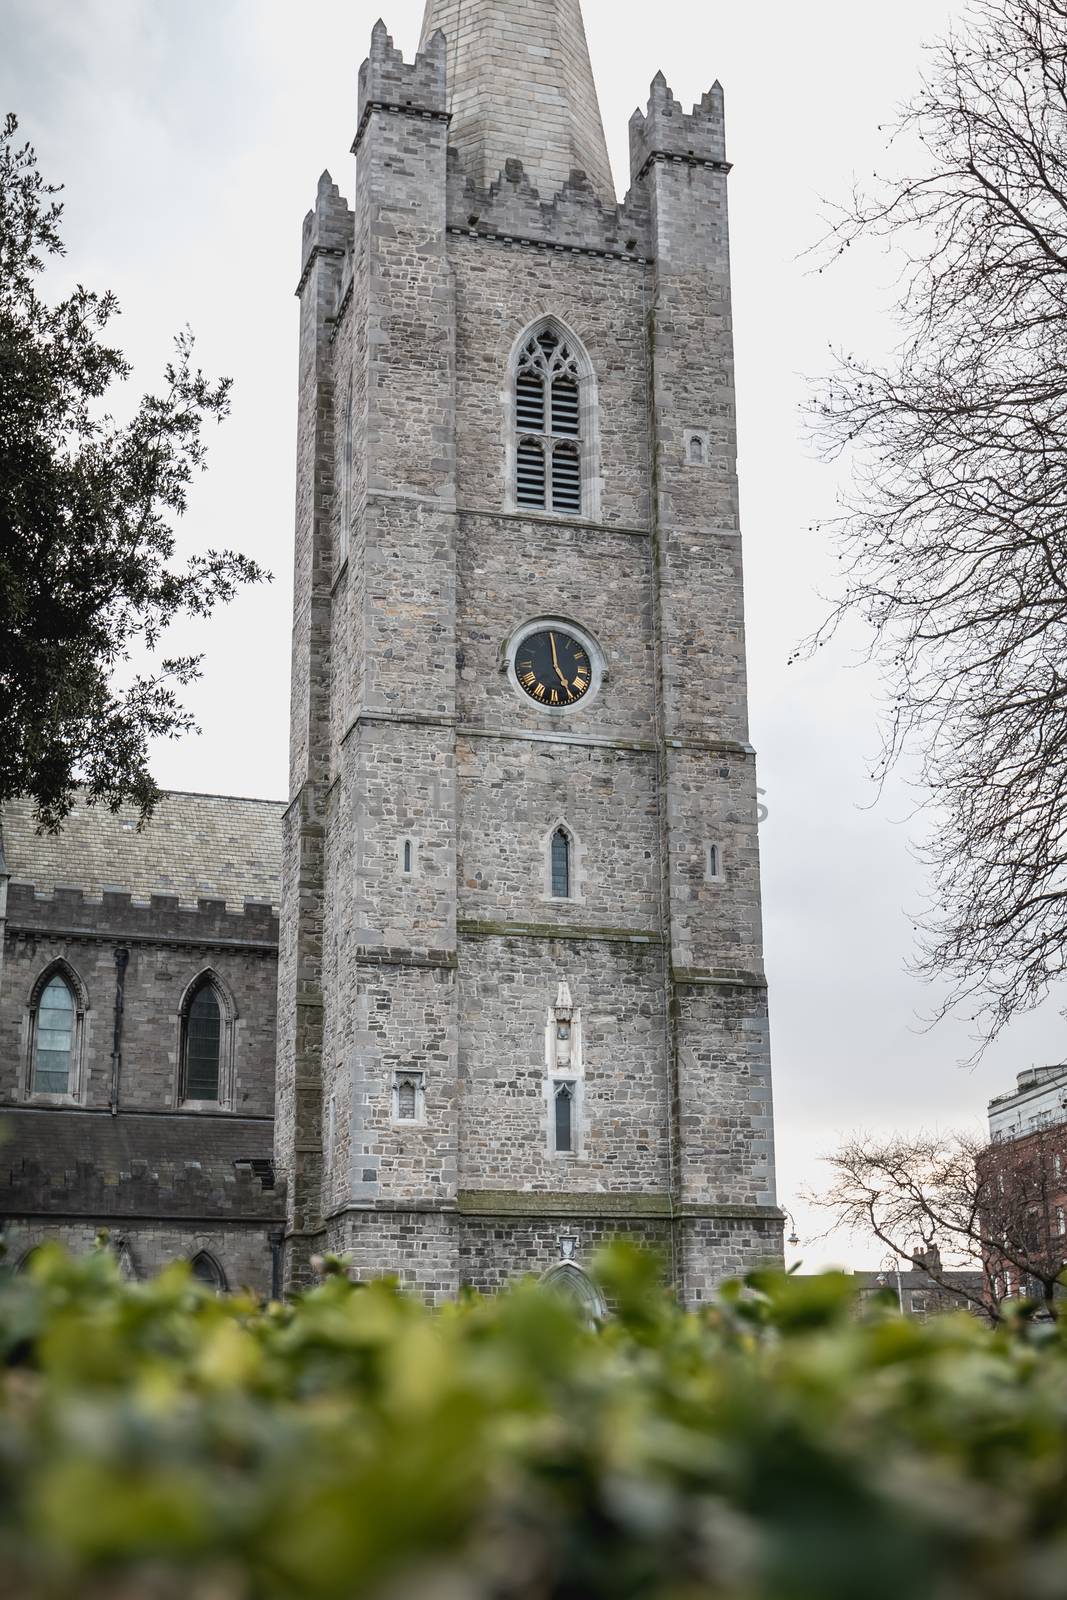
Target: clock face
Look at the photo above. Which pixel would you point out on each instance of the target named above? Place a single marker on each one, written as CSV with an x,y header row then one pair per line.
x,y
553,668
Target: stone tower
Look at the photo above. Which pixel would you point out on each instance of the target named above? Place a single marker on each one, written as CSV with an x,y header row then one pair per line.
x,y
522,999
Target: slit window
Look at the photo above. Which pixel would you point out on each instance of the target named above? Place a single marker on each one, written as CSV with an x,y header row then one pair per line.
x,y
54,1039
409,1097
408,857
548,420
561,864
203,1045
563,1119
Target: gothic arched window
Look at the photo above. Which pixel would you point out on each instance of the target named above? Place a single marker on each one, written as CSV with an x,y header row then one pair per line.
x,y
553,413
561,864
563,1118
55,1034
202,1044
207,1271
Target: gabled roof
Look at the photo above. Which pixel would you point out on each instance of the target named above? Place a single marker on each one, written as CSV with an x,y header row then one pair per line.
x,y
197,845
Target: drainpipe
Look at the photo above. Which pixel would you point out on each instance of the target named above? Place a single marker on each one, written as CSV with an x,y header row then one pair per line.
x,y
122,961
276,1237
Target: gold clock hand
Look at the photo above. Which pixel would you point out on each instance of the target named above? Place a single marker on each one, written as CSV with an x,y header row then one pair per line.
x,y
555,663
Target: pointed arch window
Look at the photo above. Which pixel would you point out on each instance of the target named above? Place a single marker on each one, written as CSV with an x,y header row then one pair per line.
x,y
55,1038
561,864
553,414
202,1044
207,1271
563,1119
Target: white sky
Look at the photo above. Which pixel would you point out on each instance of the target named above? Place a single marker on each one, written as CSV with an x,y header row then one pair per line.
x,y
190,135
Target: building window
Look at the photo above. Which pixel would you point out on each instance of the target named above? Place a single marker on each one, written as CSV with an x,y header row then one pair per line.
x,y
202,1045
697,448
561,864
54,1035
207,1271
409,1097
552,424
408,856
563,1118
715,872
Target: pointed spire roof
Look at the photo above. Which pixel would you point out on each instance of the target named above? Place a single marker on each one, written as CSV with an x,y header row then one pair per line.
x,y
520,85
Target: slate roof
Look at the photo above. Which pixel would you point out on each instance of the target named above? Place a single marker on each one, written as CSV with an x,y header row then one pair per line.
x,y
92,1164
197,845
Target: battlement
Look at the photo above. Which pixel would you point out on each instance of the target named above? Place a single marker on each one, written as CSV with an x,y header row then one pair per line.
x,y
118,915
575,219
667,132
388,83
329,227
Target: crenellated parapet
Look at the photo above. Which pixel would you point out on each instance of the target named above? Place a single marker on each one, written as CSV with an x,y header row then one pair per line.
x,y
389,83
665,132
512,210
162,919
329,228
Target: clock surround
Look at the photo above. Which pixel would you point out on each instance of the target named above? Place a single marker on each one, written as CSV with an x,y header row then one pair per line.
x,y
554,665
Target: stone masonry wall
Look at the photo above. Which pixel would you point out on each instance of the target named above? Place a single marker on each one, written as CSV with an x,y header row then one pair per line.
x,y
169,947
408,728
243,1253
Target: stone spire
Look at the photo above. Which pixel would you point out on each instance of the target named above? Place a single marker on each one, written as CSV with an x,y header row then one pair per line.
x,y
520,85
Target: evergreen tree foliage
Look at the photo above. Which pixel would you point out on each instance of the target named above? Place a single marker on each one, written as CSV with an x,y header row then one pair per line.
x,y
87,505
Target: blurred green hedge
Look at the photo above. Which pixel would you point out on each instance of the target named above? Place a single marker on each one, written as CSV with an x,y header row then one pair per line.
x,y
158,1442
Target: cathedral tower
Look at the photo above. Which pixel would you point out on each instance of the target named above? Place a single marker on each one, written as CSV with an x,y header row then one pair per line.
x,y
522,1003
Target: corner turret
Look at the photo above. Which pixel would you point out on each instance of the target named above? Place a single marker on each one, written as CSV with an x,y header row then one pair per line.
x,y
666,132
389,83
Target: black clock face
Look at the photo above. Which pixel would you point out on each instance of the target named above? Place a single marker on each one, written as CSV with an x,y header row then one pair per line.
x,y
553,668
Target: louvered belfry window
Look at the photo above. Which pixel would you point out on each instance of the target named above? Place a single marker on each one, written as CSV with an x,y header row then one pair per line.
x,y
548,417
203,1045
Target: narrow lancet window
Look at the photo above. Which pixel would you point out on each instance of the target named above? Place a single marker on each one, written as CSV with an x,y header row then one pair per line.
x,y
561,864
408,857
54,1039
563,1123
548,420
203,1045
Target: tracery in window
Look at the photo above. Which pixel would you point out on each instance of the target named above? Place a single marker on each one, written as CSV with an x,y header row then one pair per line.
x,y
549,424
54,1037
202,1044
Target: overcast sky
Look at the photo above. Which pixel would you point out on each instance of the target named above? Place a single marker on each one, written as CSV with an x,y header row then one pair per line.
x,y
190,134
